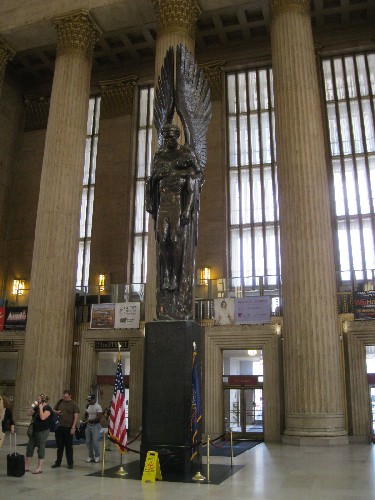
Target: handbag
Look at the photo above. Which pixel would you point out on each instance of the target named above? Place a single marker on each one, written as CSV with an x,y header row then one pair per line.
x,y
30,430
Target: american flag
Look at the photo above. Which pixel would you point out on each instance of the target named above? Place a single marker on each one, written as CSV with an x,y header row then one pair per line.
x,y
117,424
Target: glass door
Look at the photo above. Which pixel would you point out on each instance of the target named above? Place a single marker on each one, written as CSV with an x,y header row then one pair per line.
x,y
243,412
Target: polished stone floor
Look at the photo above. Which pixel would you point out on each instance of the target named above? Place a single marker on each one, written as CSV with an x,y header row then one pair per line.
x,y
267,471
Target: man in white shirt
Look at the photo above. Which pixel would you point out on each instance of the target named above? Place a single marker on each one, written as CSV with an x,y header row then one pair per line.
x,y
93,414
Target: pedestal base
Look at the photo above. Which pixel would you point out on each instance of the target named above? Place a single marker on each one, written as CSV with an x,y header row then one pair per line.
x,y
167,394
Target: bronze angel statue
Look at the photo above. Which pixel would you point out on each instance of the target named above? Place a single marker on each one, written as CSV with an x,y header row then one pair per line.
x,y
174,186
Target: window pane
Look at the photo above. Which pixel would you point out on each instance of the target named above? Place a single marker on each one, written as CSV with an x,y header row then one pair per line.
x,y
82,226
234,198
257,195
139,207
369,125
268,194
244,148
231,86
245,196
242,92
232,141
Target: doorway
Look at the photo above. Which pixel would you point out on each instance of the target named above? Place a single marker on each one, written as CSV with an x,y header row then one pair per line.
x,y
243,393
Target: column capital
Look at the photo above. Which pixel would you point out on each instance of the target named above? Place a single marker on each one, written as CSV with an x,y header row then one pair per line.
x,y
281,6
37,109
177,15
76,32
117,96
213,72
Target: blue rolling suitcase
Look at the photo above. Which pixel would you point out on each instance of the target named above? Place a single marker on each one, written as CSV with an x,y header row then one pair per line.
x,y
15,461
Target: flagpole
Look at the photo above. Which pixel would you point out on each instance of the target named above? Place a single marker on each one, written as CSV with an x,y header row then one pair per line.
x,y
121,471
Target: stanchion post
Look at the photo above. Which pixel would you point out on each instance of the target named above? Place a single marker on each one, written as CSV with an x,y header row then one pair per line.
x,y
231,448
103,453
208,458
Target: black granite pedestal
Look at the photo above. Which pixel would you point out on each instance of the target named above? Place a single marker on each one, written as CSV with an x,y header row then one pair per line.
x,y
167,394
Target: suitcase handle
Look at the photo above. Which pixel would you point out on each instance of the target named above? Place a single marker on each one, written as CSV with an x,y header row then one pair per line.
x,y
10,442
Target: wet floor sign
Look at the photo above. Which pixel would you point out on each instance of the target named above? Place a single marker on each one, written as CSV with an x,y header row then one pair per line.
x,y
151,471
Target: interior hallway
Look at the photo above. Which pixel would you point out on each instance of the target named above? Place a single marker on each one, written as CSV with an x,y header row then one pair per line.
x,y
269,471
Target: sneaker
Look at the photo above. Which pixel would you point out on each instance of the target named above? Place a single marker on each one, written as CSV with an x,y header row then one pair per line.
x,y
97,459
89,459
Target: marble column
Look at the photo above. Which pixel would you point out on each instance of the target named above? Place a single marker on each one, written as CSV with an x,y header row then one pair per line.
x,y
313,378
176,20
6,54
49,332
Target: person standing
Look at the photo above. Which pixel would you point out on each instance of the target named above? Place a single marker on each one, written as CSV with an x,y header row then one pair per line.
x,y
6,417
93,415
41,415
68,412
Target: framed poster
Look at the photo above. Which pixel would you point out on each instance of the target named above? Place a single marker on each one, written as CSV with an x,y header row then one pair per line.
x,y
102,316
127,315
364,305
252,310
15,318
224,311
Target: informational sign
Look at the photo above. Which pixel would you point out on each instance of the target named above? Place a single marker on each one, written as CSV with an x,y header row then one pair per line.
x,y
15,318
252,310
102,316
110,345
127,315
6,343
364,305
151,471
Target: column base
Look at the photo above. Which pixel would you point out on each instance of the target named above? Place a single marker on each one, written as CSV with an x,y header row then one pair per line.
x,y
315,441
321,429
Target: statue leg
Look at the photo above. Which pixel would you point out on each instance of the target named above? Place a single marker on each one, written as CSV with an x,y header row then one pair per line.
x,y
164,248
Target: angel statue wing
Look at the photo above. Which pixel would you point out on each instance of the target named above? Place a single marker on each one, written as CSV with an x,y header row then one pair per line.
x,y
164,95
193,103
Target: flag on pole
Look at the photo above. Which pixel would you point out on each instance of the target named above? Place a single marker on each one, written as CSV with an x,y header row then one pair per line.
x,y
117,423
196,415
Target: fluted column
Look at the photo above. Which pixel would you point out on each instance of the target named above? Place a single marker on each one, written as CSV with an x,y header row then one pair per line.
x,y
313,389
176,20
6,54
49,333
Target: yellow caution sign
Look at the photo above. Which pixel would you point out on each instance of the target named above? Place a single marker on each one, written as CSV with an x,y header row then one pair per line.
x,y
151,471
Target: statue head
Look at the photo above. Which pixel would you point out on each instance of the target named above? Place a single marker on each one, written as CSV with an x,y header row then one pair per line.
x,y
170,135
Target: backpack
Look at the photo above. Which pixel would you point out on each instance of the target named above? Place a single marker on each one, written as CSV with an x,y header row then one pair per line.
x,y
54,419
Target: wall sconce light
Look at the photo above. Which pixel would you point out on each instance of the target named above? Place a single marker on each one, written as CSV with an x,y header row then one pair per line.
x,y
101,282
204,275
18,287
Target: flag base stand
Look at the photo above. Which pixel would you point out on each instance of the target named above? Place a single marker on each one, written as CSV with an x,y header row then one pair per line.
x,y
121,471
198,477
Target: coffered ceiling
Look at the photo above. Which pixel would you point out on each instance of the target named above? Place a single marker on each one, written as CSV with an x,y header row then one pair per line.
x,y
129,30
